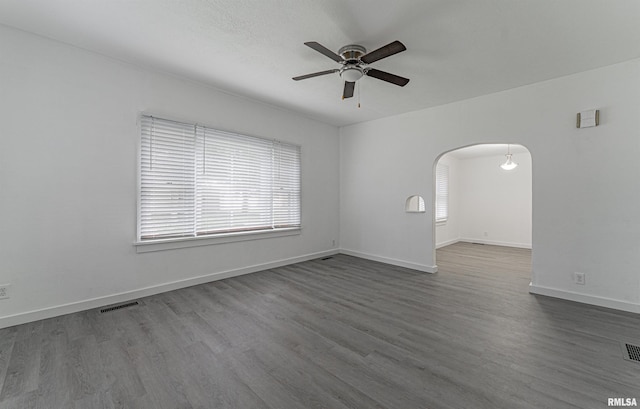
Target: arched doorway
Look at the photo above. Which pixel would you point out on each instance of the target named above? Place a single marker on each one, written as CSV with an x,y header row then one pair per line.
x,y
476,201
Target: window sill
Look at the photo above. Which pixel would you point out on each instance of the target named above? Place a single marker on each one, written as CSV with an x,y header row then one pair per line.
x,y
170,244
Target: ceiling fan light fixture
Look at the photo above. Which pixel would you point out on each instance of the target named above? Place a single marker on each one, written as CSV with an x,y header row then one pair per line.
x,y
351,73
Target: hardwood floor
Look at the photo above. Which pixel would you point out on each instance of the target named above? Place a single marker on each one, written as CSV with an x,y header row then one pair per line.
x,y
336,333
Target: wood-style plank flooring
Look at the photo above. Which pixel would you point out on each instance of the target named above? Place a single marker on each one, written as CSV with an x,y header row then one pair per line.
x,y
336,333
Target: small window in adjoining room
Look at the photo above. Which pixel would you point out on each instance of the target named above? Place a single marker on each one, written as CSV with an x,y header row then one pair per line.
x,y
442,193
415,204
198,182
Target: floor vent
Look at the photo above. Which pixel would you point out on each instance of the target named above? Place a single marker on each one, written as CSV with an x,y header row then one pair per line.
x,y
632,352
326,258
117,307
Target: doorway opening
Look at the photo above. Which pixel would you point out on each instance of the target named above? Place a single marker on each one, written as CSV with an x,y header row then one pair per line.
x,y
476,201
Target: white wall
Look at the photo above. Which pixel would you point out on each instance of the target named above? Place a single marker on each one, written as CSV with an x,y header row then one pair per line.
x,y
585,188
68,147
492,206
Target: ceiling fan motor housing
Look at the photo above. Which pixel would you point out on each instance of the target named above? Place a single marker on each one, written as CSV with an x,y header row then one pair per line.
x,y
353,68
351,53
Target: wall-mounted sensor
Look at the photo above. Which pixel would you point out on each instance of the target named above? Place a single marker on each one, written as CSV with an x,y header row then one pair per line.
x,y
587,119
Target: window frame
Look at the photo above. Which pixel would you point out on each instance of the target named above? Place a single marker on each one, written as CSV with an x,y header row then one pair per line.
x,y
158,244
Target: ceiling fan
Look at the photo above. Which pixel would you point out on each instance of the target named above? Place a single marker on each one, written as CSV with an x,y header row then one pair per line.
x,y
355,64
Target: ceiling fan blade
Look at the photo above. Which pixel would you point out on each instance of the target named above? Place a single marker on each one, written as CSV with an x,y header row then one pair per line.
x,y
383,52
348,89
385,76
315,74
324,50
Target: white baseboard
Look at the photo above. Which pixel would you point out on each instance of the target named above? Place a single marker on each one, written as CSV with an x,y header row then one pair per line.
x,y
392,261
49,312
446,243
585,298
497,243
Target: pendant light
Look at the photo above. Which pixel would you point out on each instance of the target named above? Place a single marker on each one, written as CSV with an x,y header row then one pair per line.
x,y
509,164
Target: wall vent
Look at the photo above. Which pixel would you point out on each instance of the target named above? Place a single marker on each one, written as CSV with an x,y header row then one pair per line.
x,y
326,258
630,352
119,306
633,352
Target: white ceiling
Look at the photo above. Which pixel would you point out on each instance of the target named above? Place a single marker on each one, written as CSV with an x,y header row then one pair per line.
x,y
456,49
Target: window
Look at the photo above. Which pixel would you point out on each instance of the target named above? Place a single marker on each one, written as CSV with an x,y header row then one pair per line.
x,y
198,182
442,193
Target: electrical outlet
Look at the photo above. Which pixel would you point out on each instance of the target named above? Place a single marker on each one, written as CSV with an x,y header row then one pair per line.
x,y
578,278
333,243
486,234
5,291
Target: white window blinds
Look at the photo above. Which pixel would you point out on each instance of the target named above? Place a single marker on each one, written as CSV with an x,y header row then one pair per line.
x,y
167,188
198,181
442,192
